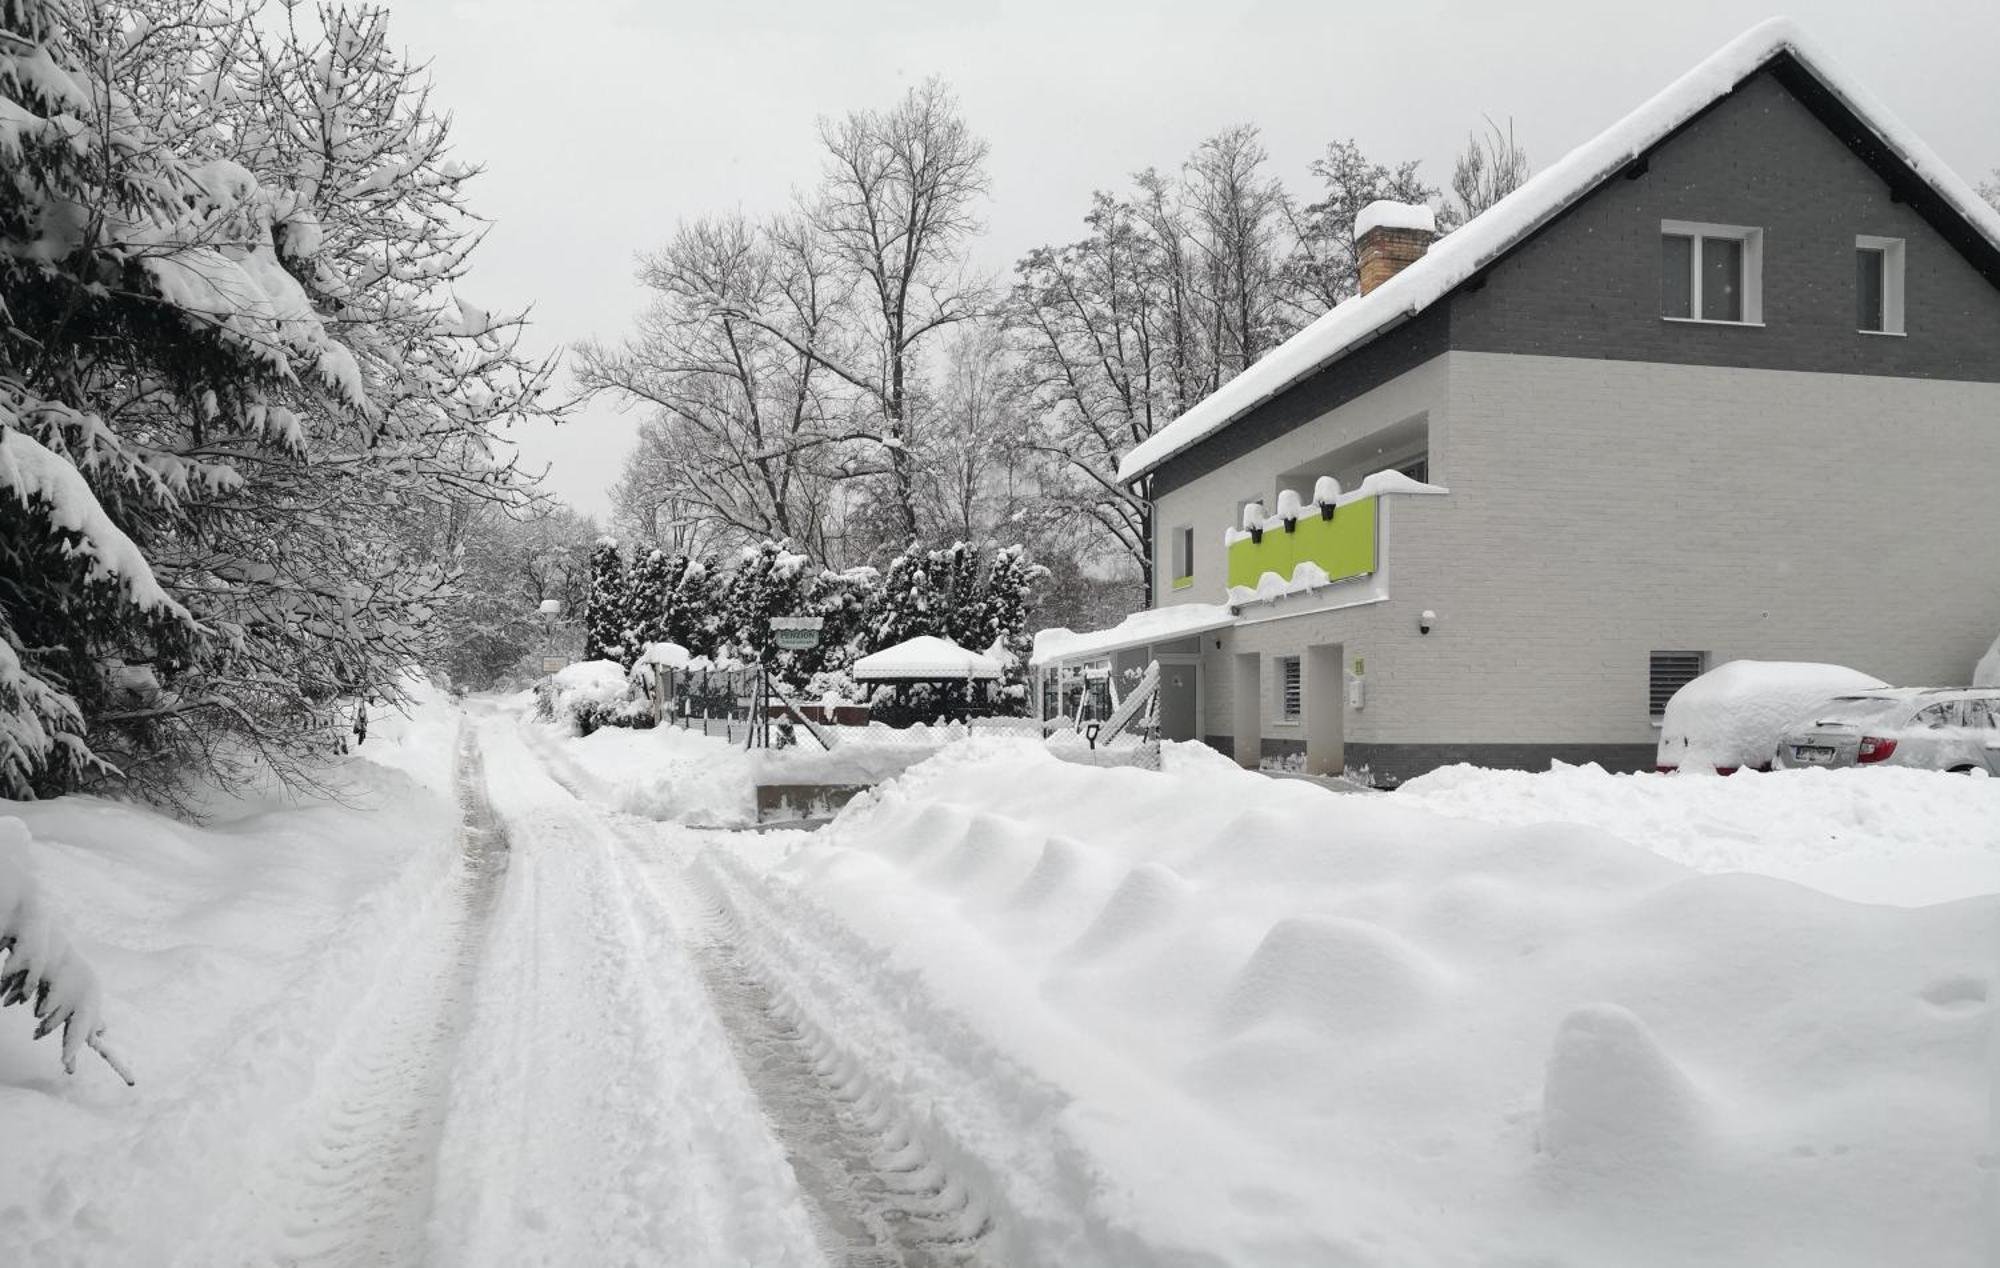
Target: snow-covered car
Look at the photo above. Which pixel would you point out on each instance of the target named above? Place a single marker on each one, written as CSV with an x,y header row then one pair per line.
x,y
1938,728
1732,716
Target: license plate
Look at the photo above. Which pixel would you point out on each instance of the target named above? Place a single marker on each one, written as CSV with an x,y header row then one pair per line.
x,y
1812,754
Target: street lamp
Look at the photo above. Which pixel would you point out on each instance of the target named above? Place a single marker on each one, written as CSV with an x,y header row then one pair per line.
x,y
550,610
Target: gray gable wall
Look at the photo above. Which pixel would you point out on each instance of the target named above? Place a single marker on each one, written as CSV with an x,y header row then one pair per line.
x,y
1589,284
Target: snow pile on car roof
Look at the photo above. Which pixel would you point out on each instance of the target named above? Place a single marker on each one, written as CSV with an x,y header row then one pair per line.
x,y
1733,715
1259,1022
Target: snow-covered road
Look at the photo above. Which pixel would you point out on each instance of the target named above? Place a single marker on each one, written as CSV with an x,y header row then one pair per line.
x,y
766,1141
1190,1018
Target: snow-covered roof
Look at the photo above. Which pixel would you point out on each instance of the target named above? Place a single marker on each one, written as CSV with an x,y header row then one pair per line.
x,y
1456,257
1156,625
1387,213
923,658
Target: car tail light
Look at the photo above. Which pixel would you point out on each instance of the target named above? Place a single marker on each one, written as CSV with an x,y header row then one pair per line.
x,y
1874,749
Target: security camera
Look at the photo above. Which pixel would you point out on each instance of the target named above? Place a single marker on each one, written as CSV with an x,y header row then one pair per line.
x,y
1425,620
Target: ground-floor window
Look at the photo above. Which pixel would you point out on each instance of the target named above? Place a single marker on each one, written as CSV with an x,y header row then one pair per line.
x,y
1669,672
1291,689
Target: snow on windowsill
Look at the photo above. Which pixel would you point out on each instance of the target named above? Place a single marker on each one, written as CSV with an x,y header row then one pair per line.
x,y
1711,321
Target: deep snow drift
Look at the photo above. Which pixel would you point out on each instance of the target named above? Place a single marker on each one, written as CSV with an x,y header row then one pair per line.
x,y
1279,1025
1893,835
232,957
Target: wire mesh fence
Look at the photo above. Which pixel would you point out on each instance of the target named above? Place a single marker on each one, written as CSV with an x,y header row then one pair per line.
x,y
743,707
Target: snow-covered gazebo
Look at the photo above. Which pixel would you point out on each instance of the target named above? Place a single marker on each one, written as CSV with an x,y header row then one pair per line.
x,y
928,659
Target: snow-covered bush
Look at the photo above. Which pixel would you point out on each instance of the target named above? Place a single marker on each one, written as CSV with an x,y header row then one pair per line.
x,y
1732,716
39,967
595,693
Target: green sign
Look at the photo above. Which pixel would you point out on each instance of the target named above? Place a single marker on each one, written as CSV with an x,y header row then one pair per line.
x,y
796,633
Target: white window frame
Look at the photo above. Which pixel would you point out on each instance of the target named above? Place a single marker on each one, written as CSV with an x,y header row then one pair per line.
x,y
1290,667
1892,280
1752,239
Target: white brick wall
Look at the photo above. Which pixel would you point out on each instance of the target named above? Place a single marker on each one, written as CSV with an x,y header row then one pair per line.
x,y
1603,509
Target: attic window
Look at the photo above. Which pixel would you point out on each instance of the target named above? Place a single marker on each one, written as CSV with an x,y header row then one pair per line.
x,y
1878,285
1711,273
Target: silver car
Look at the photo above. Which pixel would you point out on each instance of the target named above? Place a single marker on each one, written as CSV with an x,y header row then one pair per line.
x,y
1932,728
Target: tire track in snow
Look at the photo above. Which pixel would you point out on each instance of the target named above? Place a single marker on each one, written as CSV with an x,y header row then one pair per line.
x,y
358,1190
879,1197
881,1200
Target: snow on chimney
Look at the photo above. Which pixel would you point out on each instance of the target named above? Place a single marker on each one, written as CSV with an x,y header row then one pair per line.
x,y
1389,237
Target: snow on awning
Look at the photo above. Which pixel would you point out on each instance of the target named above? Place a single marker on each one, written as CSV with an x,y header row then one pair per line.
x,y
926,658
1488,236
1156,625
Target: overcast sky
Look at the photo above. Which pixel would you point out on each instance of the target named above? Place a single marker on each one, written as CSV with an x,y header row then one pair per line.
x,y
603,122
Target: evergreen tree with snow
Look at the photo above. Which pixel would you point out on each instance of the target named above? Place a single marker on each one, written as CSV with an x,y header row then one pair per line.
x,y
604,611
845,603
260,228
911,603
1009,587
646,600
690,617
769,580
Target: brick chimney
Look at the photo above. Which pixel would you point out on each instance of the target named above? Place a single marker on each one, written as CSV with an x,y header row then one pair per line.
x,y
1389,237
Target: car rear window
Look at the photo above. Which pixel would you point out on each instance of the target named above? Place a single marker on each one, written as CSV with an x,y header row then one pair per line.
x,y
1861,709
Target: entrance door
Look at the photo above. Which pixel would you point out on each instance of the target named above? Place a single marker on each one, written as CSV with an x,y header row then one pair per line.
x,y
1180,699
1249,711
1326,710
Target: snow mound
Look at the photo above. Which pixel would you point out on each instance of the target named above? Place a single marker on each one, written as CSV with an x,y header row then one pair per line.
x,y
664,773
1346,977
1732,716
1893,835
1614,1103
1243,994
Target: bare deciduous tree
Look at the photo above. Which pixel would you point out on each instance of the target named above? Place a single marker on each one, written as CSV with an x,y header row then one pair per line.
x,y
1325,260
743,426
1492,167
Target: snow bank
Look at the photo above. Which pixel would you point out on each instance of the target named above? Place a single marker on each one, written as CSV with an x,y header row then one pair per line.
x,y
1893,835
230,957
1732,716
1238,996
665,773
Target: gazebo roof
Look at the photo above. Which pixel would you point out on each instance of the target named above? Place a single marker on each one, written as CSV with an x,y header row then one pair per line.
x,y
925,658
